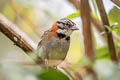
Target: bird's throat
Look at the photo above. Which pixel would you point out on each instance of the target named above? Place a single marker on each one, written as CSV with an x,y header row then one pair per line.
x,y
61,36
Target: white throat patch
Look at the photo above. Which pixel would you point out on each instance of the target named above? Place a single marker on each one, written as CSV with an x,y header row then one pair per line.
x,y
64,31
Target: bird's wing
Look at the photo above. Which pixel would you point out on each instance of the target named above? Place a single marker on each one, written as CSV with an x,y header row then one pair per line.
x,y
43,37
40,46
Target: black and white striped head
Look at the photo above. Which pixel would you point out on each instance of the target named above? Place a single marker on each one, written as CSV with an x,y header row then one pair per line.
x,y
66,27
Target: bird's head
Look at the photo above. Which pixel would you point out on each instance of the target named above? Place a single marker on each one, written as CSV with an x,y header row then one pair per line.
x,y
64,27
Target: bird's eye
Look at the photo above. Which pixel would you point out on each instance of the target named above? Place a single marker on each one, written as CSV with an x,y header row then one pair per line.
x,y
68,25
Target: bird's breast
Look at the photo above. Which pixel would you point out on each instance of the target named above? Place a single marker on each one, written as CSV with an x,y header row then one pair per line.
x,y
55,50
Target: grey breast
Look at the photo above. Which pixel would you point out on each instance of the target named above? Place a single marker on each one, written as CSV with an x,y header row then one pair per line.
x,y
55,49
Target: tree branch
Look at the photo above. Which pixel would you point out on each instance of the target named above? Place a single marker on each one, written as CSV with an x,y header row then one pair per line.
x,y
87,32
117,2
14,34
105,21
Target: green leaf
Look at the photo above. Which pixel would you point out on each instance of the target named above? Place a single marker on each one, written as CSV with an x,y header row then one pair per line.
x,y
94,16
77,14
73,15
52,74
114,16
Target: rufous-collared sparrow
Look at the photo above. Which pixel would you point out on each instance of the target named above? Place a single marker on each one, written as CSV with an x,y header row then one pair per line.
x,y
55,42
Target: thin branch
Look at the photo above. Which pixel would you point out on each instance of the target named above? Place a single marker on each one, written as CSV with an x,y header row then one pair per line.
x,y
105,21
14,34
117,2
87,32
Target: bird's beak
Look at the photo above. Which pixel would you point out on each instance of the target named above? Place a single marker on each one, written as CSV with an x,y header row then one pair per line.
x,y
74,28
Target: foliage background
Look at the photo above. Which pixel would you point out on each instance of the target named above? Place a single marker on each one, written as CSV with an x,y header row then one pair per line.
x,y
33,17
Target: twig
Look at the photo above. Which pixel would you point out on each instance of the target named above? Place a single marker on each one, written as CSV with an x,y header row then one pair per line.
x,y
87,33
105,21
14,34
117,2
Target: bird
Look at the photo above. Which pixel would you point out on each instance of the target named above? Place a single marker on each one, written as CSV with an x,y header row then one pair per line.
x,y
55,42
